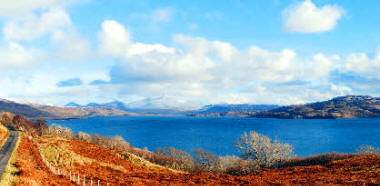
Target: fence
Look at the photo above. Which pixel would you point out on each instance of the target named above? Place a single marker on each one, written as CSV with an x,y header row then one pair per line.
x,y
74,177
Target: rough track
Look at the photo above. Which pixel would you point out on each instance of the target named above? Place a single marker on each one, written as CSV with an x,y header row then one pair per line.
x,y
6,151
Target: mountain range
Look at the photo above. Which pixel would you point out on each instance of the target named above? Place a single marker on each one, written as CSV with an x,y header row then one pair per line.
x,y
126,107
351,106
33,111
337,108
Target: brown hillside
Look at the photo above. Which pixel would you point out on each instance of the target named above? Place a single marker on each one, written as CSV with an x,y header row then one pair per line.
x,y
108,165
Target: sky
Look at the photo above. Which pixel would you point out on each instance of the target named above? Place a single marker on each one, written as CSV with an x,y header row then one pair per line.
x,y
185,54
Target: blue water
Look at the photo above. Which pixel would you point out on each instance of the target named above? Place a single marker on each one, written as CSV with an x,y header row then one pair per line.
x,y
218,135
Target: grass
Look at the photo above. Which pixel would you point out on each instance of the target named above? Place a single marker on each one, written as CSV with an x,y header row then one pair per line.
x,y
142,162
59,155
11,172
5,129
322,159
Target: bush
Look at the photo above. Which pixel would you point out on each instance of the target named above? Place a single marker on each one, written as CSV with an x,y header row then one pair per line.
x,y
207,160
261,151
58,130
184,159
368,149
321,159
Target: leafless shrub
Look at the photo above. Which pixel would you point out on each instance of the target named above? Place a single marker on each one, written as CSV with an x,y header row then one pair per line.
x,y
228,162
162,159
185,160
368,149
234,165
84,137
58,130
261,151
207,160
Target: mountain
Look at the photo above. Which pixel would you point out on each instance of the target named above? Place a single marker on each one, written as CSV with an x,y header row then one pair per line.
x,y
72,104
337,108
23,109
114,104
150,106
33,111
235,107
239,110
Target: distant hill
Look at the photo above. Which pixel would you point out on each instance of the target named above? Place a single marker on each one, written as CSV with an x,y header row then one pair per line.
x,y
72,104
127,108
235,107
230,110
73,110
336,108
23,109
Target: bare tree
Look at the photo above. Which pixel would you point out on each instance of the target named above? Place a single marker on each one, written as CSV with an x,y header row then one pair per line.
x,y
262,151
368,149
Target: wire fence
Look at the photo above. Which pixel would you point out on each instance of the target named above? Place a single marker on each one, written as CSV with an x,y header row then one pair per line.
x,y
73,176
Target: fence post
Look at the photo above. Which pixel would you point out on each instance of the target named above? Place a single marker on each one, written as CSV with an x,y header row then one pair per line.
x,y
108,184
91,181
98,182
78,179
84,181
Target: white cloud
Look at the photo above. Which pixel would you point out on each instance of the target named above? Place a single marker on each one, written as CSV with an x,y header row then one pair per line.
x,y
19,7
199,69
114,38
15,55
306,17
360,63
32,26
162,14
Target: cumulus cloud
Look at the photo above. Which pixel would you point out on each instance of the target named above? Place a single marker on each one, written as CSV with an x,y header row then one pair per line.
x,y
15,55
114,38
32,26
46,19
306,17
200,69
19,7
362,64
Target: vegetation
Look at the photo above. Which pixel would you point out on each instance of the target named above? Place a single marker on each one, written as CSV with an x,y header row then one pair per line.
x,y
321,159
262,152
368,149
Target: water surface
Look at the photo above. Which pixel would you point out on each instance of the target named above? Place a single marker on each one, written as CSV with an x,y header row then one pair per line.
x,y
308,137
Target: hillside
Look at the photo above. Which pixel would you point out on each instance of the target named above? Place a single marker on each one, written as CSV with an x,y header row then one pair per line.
x,y
26,110
82,112
33,111
56,156
123,168
336,108
230,110
142,110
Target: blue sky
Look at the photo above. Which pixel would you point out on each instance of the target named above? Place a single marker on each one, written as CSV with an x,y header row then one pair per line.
x,y
188,53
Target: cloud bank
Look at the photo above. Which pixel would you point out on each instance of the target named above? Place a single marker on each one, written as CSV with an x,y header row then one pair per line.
x,y
199,69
